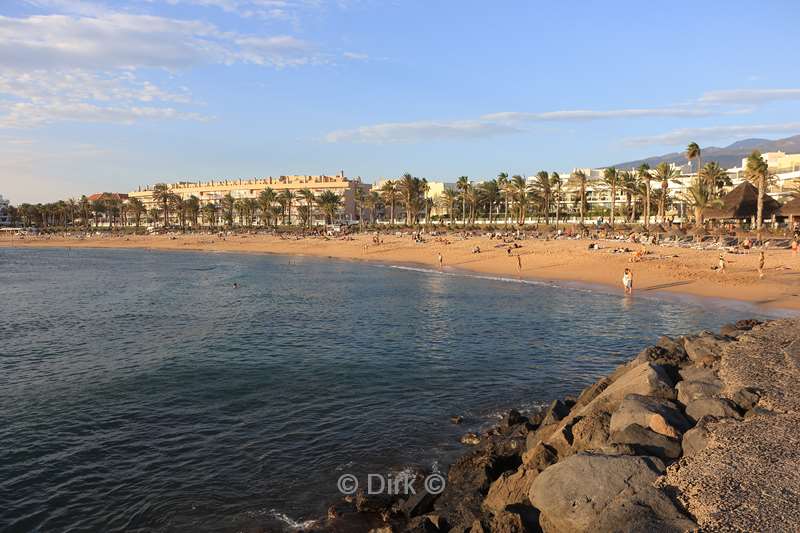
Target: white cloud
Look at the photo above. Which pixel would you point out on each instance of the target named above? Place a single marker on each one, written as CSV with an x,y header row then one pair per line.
x,y
121,40
406,132
736,96
89,66
683,135
583,114
355,56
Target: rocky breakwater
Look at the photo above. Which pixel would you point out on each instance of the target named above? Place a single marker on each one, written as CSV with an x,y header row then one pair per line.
x,y
627,454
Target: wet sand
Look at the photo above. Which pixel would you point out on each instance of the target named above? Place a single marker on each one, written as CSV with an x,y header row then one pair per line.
x,y
663,268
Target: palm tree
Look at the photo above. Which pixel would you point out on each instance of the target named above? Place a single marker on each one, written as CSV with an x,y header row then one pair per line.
x,y
390,196
179,207
137,209
757,172
611,180
329,203
490,192
519,188
359,198
308,196
85,208
98,208
580,175
502,184
193,209
542,187
409,188
716,177
461,184
700,196
449,199
286,198
228,205
162,195
555,182
266,199
372,202
210,214
645,176
470,195
693,152
72,208
664,173
630,186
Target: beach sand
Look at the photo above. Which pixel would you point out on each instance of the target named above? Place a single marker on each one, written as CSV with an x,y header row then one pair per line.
x,y
664,268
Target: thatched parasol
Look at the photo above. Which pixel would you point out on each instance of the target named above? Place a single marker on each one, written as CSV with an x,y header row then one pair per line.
x,y
741,203
790,208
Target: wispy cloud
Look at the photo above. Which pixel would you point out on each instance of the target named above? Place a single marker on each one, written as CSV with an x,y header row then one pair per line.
x,y
684,135
739,96
408,132
586,115
88,64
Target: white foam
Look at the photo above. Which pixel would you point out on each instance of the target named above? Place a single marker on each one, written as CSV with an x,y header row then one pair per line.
x,y
294,524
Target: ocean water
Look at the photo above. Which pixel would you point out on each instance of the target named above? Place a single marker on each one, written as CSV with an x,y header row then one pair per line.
x,y
140,391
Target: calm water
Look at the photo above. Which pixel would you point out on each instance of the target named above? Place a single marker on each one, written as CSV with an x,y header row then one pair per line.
x,y
139,391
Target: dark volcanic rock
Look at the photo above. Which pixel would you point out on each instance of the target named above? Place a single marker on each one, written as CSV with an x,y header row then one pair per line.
x,y
557,411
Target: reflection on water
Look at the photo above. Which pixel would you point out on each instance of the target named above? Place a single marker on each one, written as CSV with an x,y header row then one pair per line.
x,y
140,390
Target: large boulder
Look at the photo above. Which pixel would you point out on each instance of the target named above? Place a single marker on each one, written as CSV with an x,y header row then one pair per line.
x,y
717,407
704,349
604,493
697,438
511,488
657,414
647,442
646,379
688,391
591,432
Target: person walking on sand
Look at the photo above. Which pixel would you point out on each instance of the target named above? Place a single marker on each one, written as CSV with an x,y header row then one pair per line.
x,y
441,260
722,264
627,281
795,246
761,261
519,263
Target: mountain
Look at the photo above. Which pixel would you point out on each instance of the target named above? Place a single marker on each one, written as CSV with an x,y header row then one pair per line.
x,y
727,157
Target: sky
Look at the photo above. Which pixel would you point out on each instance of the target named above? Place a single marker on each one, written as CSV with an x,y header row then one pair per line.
x,y
107,95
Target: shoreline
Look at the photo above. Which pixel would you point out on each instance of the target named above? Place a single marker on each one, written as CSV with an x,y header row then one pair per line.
x,y
664,270
654,445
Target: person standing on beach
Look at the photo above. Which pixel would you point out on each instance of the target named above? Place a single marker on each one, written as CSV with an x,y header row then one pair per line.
x,y
761,261
722,264
795,246
519,263
441,260
627,281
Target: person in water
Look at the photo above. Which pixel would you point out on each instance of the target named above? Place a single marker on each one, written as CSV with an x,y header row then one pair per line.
x,y
235,285
627,281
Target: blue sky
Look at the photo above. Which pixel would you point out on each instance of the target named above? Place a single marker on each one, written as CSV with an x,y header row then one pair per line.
x,y
106,95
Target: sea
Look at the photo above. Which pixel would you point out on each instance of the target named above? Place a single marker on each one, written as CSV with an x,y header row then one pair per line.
x,y
185,391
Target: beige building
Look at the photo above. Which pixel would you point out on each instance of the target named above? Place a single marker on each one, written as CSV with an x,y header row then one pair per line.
x,y
214,191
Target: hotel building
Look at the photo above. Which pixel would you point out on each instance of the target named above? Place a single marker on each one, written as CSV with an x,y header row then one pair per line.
x,y
5,219
212,192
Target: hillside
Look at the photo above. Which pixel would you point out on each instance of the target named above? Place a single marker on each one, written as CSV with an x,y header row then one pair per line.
x,y
729,156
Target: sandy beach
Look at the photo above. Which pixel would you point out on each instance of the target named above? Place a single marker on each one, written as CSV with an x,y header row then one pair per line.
x,y
662,268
